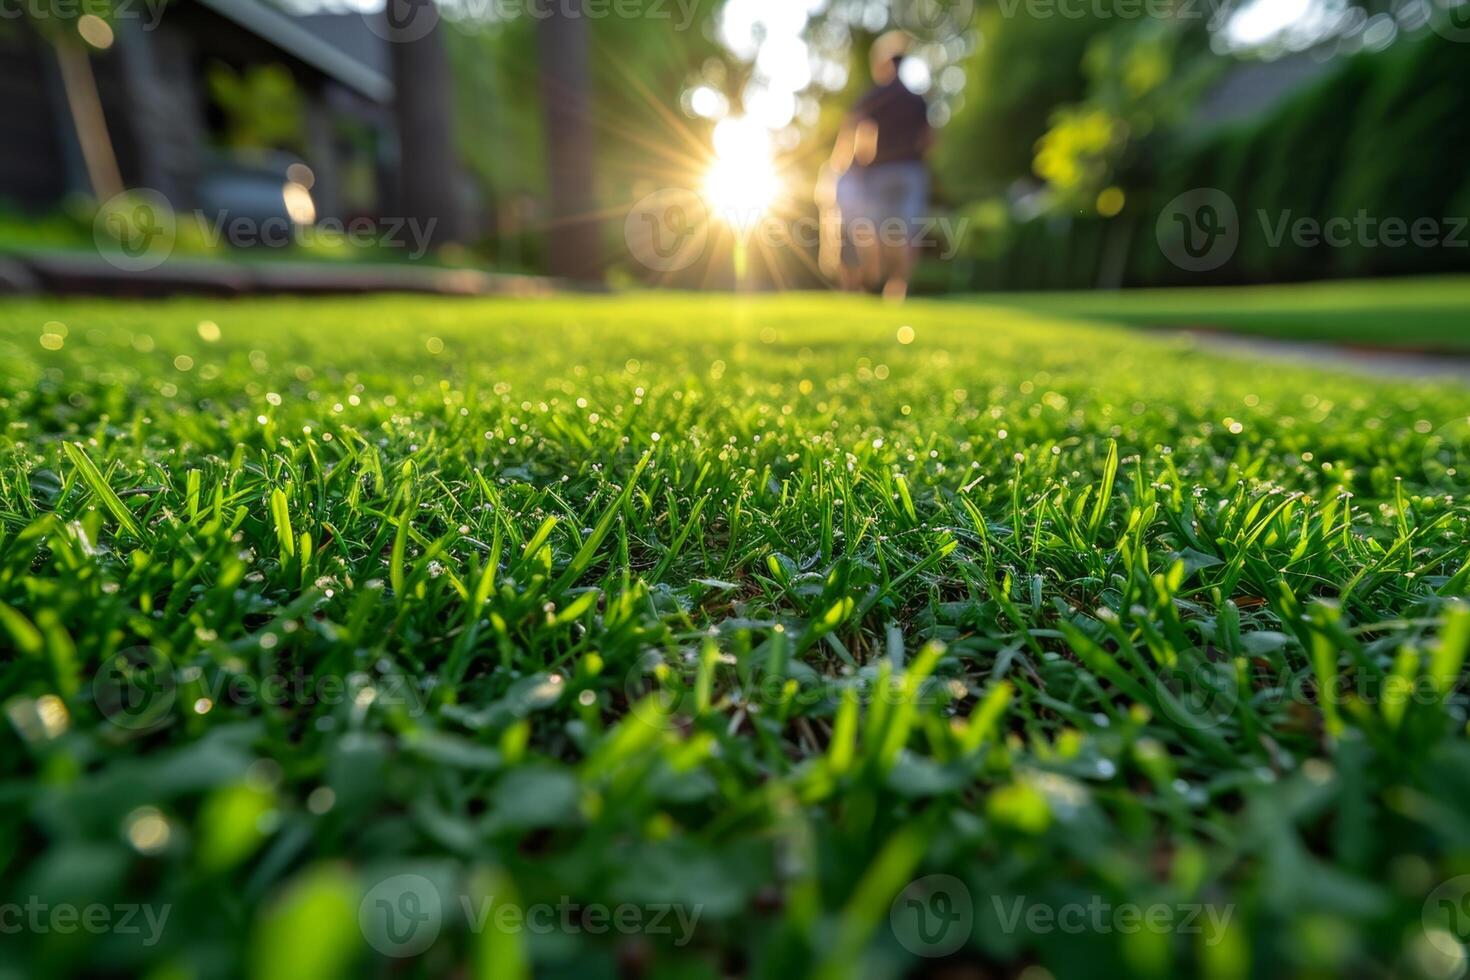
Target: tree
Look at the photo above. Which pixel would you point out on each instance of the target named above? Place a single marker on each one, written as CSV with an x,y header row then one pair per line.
x,y
562,44
64,31
428,174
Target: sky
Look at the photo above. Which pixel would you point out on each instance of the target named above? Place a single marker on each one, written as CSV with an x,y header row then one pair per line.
x,y
1264,19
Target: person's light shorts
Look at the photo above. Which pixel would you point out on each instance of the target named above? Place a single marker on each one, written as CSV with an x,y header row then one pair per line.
x,y
850,194
894,192
850,203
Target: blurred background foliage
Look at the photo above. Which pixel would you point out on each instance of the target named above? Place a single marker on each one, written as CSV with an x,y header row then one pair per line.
x,y
261,106
1353,142
1061,133
1061,137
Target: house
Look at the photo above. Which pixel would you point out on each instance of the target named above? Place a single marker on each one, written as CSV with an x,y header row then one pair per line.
x,y
1253,87
164,128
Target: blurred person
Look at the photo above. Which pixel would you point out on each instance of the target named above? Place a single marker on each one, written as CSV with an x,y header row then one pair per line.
x,y
882,178
839,196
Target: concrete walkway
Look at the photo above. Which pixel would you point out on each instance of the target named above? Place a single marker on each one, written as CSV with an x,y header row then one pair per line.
x,y
1377,363
83,274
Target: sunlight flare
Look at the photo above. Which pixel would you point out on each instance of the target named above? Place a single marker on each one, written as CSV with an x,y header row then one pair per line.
x,y
742,184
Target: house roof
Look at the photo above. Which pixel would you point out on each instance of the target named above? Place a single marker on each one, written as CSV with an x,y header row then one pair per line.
x,y
337,45
1251,88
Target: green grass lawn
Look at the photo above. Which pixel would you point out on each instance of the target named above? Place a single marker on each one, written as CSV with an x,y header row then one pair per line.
x,y
1415,314
704,632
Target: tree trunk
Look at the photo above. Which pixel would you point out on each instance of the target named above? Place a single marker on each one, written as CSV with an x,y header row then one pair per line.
x,y
562,47
86,113
428,172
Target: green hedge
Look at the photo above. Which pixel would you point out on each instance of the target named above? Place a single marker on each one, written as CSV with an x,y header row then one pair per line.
x,y
1385,134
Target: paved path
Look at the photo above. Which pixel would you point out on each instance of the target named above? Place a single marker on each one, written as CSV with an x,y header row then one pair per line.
x,y
75,272
1379,363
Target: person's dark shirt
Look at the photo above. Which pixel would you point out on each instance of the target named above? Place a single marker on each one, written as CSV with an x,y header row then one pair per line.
x,y
902,118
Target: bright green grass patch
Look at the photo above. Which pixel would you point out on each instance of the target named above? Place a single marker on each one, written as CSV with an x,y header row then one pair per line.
x,y
1416,314
334,627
